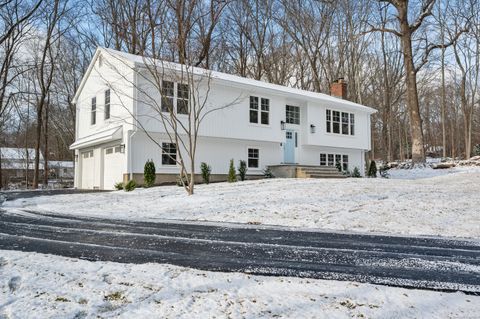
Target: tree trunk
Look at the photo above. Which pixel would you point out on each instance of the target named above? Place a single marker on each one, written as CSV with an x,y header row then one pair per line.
x,y
418,151
38,131
45,153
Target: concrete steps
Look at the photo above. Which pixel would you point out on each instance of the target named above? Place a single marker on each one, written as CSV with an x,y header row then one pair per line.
x,y
318,172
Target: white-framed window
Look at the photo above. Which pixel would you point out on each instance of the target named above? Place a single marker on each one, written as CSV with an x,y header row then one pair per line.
x,y
169,154
253,157
265,111
259,115
329,121
93,114
340,122
107,104
292,114
253,109
168,94
182,98
333,159
87,154
109,151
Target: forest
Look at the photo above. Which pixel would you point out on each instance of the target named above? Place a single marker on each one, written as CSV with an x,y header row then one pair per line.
x,y
416,62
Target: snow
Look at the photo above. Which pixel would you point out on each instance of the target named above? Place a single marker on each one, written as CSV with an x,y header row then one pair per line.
x,y
427,172
439,206
59,287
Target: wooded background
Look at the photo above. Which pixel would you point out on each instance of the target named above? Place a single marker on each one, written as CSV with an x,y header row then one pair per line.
x,y
416,62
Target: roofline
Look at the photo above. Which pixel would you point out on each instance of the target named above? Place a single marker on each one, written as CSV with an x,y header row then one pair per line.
x,y
225,77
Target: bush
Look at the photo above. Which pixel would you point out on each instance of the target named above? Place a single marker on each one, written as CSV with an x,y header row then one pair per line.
x,y
130,185
206,170
383,170
119,186
242,170
149,174
372,170
476,150
267,173
232,174
356,173
338,165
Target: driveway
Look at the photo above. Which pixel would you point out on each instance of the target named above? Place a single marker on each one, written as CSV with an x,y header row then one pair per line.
x,y
417,262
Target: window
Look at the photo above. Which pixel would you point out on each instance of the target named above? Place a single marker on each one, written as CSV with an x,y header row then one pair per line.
x,y
331,162
340,122
336,122
323,159
182,98
329,121
288,135
253,109
107,104
265,111
292,114
338,159
118,149
345,123
109,150
167,96
296,139
352,124
93,118
253,156
345,163
87,154
169,154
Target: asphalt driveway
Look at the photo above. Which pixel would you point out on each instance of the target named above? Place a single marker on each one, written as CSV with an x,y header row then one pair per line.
x,y
417,262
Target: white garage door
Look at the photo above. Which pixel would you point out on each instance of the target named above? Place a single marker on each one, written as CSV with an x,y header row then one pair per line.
x,y
112,166
88,170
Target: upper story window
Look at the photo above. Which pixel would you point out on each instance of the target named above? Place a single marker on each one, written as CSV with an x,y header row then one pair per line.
x,y
253,157
182,98
167,96
340,122
169,154
264,110
292,115
107,104
93,114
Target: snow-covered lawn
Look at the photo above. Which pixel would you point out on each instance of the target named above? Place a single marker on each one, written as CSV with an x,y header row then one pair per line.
x,y
445,205
43,286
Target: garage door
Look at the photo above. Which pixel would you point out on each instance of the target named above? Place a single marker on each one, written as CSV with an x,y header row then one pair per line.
x,y
88,170
112,166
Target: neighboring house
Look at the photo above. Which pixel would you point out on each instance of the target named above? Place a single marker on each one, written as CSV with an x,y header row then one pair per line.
x,y
267,125
63,170
17,162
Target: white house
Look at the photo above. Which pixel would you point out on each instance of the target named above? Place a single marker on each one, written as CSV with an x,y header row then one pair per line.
x,y
261,123
16,163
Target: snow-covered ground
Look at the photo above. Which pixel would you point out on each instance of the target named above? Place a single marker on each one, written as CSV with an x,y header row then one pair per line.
x,y
446,205
43,286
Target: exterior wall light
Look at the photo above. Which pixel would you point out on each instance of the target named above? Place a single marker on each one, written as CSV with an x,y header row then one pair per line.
x,y
122,148
282,125
312,128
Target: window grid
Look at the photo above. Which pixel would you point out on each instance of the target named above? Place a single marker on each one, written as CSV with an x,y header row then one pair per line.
x,y
329,121
93,119
292,115
182,98
253,157
167,96
340,122
265,111
169,154
332,159
107,104
253,109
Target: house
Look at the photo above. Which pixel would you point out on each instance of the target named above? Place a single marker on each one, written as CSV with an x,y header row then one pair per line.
x,y
63,170
16,163
261,123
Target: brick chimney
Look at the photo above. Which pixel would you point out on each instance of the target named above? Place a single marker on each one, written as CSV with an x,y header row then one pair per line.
x,y
339,89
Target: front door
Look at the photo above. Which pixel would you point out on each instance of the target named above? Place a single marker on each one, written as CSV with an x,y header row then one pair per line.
x,y
289,148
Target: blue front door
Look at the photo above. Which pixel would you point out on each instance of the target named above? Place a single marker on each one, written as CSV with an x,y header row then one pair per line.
x,y
289,148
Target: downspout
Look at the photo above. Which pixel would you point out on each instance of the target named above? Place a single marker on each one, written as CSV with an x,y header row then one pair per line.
x,y
135,128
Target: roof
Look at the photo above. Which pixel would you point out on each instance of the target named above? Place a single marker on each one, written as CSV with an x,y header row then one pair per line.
x,y
142,61
60,164
105,136
15,153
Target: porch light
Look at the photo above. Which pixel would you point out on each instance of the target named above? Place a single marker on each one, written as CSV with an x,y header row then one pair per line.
x,y
122,148
282,125
312,128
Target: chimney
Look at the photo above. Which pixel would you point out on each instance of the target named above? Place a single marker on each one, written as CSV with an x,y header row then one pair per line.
x,y
339,89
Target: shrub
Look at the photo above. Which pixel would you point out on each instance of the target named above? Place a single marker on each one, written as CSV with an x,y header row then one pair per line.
x,y
267,173
149,173
338,165
130,185
206,170
476,150
119,186
356,173
372,170
232,174
383,170
242,170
